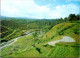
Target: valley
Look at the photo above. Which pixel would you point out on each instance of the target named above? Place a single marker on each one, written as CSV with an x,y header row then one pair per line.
x,y
40,38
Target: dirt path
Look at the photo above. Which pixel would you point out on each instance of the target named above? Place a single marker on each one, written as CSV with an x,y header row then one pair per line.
x,y
12,41
64,39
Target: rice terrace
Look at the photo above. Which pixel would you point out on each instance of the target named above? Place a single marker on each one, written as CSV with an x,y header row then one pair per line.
x,y
40,28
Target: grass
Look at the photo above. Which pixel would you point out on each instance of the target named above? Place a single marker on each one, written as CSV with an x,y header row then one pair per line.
x,y
28,53
65,52
63,29
14,34
27,46
19,46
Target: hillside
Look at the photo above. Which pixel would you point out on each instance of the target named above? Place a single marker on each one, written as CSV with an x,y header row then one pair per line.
x,y
14,27
63,29
31,46
8,33
63,48
40,29
5,31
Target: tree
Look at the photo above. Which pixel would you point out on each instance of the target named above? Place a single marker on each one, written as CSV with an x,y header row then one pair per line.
x,y
35,34
65,19
72,17
78,17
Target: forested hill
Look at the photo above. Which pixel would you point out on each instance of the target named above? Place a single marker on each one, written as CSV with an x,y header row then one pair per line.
x,y
16,23
20,25
55,38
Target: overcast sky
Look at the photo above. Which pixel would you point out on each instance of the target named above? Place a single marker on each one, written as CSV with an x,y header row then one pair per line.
x,y
49,9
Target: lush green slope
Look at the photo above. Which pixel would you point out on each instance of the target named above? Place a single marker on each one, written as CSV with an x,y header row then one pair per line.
x,y
30,46
5,31
13,27
63,29
8,33
26,24
63,49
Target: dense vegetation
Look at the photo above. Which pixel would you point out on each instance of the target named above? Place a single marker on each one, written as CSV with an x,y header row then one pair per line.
x,y
36,45
10,25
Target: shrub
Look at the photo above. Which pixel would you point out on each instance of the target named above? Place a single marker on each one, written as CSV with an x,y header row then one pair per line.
x,y
76,31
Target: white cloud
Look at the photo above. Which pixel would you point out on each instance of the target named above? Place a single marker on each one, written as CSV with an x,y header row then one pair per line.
x,y
58,7
28,8
65,10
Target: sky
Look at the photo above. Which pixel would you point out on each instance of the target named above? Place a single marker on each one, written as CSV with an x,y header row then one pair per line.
x,y
48,9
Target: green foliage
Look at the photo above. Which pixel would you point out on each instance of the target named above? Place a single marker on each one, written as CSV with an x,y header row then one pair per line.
x,y
5,31
73,17
63,29
26,23
14,34
35,34
35,45
61,51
